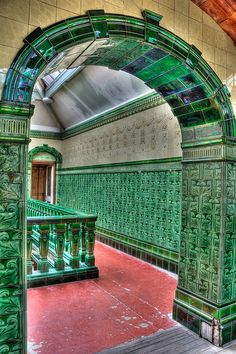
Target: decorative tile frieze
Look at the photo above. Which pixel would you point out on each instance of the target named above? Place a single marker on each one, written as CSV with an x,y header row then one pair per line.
x,y
199,133
14,128
210,152
170,164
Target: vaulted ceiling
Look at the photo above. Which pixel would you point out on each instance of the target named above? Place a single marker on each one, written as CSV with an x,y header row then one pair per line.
x,y
223,12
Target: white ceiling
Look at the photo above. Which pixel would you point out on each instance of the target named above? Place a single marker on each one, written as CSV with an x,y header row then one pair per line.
x,y
94,90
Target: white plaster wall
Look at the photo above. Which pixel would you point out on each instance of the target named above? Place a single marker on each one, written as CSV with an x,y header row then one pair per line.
x,y
57,144
44,118
151,134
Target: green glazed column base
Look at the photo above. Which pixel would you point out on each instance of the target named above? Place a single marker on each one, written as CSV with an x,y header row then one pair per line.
x,y
74,262
82,255
90,260
59,264
215,323
43,266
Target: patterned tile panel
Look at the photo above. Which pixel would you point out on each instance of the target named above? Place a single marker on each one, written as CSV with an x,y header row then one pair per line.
x,y
142,205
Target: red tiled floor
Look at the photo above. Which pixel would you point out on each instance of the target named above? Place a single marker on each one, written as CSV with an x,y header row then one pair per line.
x,y
130,299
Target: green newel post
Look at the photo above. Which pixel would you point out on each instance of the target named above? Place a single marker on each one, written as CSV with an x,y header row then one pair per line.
x,y
206,295
43,231
90,241
59,263
67,237
14,133
74,246
82,251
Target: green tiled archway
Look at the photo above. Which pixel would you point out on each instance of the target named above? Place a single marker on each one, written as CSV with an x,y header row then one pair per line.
x,y
206,296
142,48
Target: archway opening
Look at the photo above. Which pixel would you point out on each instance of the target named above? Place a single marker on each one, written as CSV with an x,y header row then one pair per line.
x,y
198,99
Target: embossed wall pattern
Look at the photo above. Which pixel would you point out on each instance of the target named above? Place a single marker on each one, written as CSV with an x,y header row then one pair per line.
x,y
11,249
142,205
229,265
151,134
201,232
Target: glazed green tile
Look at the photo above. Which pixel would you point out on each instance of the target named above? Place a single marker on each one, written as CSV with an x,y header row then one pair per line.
x,y
133,54
183,110
165,39
46,49
182,296
180,48
135,30
173,101
151,35
83,34
163,65
227,334
62,40
211,115
201,105
174,74
224,312
208,309
100,28
193,58
10,300
151,17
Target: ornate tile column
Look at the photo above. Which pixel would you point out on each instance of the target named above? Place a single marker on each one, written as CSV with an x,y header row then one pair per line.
x,y
206,295
14,133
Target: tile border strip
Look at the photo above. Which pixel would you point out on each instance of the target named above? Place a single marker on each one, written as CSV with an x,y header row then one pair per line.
x,y
155,255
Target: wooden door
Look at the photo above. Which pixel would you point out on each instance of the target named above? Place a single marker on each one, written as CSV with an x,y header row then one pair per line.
x,y
38,182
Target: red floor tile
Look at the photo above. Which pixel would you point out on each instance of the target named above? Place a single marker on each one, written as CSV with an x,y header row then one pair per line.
x,y
130,299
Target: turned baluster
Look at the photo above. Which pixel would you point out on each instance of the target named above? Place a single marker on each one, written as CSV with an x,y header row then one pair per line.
x,y
74,245
59,233
52,236
67,237
29,249
43,231
90,240
82,251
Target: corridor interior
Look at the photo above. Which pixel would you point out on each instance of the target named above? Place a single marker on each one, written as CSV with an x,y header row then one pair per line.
x,y
130,299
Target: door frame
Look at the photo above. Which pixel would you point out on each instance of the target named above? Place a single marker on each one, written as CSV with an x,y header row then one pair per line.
x,y
53,174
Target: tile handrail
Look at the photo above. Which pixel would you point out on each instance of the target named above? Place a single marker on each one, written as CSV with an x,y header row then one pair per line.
x,y
39,208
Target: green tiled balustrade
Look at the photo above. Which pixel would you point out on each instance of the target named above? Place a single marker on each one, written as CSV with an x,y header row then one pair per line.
x,y
206,299
60,242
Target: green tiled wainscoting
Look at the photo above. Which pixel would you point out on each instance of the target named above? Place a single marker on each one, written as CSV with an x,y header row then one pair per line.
x,y
138,206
